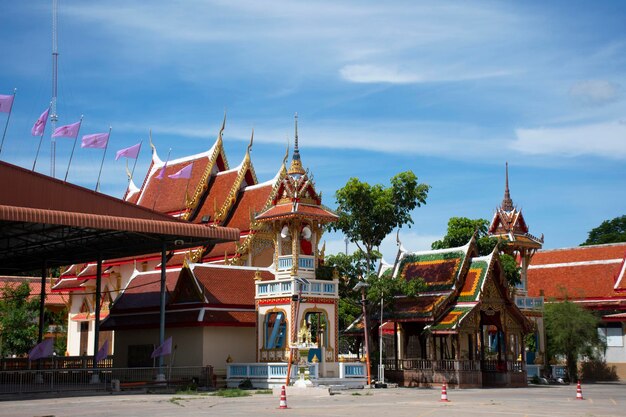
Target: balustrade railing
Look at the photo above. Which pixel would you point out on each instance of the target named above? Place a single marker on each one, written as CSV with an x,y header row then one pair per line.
x,y
285,288
266,371
53,362
453,365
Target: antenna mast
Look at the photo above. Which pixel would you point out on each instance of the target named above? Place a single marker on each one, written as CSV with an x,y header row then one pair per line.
x,y
55,55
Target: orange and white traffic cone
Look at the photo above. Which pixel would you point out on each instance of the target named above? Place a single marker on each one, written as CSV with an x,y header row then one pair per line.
x,y
444,392
283,399
579,392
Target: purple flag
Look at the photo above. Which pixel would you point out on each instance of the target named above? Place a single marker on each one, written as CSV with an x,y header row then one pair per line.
x,y
103,352
97,140
162,173
42,350
67,131
6,102
164,349
40,124
183,173
131,152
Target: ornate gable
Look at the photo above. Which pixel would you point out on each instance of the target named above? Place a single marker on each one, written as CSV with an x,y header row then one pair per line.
x,y
187,289
217,163
245,177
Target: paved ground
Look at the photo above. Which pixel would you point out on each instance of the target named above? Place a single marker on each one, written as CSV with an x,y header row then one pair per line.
x,y
548,401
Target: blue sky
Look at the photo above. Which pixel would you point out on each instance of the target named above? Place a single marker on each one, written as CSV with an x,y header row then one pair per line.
x,y
450,90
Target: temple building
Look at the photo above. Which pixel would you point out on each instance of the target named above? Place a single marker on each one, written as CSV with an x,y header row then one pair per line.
x,y
244,301
464,328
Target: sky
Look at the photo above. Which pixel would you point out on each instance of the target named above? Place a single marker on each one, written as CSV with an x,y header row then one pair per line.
x,y
450,90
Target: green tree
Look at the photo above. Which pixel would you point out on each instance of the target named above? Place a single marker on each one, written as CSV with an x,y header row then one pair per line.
x,y
367,214
571,331
460,231
18,320
610,231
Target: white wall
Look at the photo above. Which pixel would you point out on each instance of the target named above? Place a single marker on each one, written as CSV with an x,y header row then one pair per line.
x,y
220,342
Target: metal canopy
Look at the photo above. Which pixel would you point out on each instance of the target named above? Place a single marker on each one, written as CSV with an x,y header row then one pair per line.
x,y
44,220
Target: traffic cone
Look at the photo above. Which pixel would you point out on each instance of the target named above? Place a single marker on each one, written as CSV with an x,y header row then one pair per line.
x,y
579,392
444,392
283,399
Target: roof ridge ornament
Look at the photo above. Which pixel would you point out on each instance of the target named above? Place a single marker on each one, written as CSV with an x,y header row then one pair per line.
x,y
286,157
251,142
507,203
296,163
219,136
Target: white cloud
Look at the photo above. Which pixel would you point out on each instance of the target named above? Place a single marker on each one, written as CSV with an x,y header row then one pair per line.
x,y
377,74
392,75
595,92
607,140
391,137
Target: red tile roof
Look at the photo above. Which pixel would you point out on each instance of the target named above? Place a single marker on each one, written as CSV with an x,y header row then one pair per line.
x,y
35,289
252,200
167,195
175,318
219,187
580,254
584,273
218,251
228,285
144,290
303,210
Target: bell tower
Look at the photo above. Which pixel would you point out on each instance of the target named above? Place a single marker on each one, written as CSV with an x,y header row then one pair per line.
x,y
303,294
508,226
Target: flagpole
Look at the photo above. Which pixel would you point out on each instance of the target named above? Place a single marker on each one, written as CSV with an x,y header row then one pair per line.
x,y
73,147
103,155
135,164
6,125
187,188
40,140
159,187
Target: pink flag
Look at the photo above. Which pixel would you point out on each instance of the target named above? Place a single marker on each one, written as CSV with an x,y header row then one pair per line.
x,y
103,352
6,102
97,140
164,349
131,152
67,131
183,173
42,350
40,124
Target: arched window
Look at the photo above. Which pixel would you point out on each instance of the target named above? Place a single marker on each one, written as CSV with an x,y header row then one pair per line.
x,y
275,330
318,326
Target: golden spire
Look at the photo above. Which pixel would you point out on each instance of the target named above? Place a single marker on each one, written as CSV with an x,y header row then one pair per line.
x,y
296,164
507,203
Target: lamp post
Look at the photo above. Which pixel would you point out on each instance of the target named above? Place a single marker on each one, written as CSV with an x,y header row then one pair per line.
x,y
361,286
381,368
